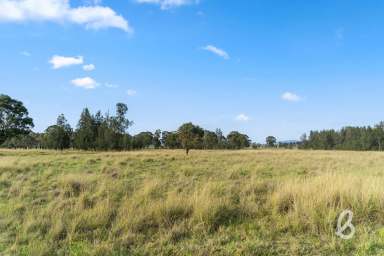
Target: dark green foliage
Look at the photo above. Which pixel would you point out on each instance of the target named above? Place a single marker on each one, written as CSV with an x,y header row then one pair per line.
x,y
85,135
120,121
31,140
236,140
348,138
210,140
58,136
190,136
100,132
156,140
290,144
143,140
170,140
221,140
14,119
104,132
270,141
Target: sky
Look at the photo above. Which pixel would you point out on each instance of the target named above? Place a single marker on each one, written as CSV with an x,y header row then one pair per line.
x,y
261,67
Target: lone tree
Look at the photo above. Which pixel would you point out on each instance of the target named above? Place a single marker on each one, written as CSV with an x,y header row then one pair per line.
x,y
271,141
14,119
190,136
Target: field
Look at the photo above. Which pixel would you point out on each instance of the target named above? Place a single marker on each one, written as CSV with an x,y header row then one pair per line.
x,y
250,202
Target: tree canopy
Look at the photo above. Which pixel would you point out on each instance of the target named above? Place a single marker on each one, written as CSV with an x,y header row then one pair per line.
x,y
58,136
14,119
270,141
190,136
237,140
347,138
105,132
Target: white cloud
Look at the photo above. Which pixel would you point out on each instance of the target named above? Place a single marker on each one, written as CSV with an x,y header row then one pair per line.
x,y
131,92
92,17
289,96
168,4
89,67
85,82
217,51
242,118
58,61
26,54
97,17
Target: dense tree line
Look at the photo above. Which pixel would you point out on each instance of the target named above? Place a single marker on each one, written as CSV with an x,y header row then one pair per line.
x,y
105,132
110,132
347,138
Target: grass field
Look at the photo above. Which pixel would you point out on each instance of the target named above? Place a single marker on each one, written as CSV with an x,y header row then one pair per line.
x,y
252,202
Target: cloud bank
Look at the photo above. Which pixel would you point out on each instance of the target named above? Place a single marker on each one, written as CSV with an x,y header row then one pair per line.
x,y
92,17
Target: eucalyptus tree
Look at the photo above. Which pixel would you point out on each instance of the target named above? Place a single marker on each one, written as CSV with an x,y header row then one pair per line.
x,y
14,118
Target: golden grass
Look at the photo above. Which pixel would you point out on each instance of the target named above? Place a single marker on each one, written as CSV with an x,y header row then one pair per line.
x,y
263,202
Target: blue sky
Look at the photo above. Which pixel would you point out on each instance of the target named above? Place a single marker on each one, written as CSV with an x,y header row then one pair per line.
x,y
261,67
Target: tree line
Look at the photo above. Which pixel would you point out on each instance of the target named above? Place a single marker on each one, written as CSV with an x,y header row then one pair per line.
x,y
110,132
347,138
105,132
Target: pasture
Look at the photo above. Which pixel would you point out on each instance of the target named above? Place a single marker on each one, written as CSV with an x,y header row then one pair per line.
x,y
162,202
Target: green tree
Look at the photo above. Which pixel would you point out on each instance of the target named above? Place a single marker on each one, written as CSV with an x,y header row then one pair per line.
x,y
210,140
157,139
31,140
14,119
237,140
121,120
270,141
101,129
119,125
58,136
107,133
221,140
85,136
103,132
170,140
143,140
348,138
379,135
190,136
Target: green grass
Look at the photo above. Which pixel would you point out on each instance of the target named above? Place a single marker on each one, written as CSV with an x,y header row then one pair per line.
x,y
262,202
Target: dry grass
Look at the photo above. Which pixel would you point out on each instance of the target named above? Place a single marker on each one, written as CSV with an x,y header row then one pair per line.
x,y
266,202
